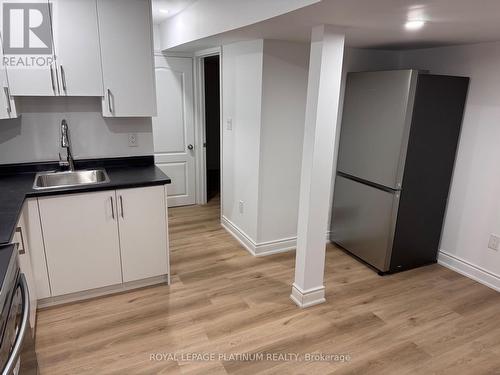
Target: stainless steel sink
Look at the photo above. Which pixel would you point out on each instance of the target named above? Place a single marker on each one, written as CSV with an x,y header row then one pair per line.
x,y
50,180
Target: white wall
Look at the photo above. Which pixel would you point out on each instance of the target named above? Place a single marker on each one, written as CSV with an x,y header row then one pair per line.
x,y
283,110
35,136
474,203
156,38
205,18
264,93
241,102
358,60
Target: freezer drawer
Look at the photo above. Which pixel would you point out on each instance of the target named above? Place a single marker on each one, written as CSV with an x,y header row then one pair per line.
x,y
375,125
363,221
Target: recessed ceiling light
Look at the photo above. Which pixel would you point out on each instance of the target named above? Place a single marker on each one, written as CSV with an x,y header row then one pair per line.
x,y
164,11
414,24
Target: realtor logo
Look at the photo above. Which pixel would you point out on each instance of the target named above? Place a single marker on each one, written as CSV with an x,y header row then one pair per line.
x,y
27,29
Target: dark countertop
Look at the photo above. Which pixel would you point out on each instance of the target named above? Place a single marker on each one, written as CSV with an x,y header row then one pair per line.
x,y
16,187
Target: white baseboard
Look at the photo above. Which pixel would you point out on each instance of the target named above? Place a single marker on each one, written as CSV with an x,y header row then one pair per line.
x,y
261,248
275,247
103,291
470,270
307,298
238,234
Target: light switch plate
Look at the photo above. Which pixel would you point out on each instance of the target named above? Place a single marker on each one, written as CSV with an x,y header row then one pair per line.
x,y
494,242
229,124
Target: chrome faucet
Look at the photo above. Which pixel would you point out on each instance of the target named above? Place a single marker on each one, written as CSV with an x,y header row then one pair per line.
x,y
66,143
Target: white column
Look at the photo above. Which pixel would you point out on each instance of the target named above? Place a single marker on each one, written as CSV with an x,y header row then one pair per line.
x,y
321,121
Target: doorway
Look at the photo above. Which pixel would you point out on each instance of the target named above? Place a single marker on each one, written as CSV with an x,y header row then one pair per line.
x,y
211,74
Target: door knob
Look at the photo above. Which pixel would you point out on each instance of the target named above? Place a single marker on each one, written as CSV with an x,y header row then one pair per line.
x,y
190,147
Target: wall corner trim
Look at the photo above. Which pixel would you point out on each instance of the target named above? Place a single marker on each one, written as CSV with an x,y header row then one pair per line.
x,y
307,298
469,270
258,249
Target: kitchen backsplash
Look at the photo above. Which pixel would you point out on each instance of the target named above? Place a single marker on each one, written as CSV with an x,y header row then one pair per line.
x,y
35,136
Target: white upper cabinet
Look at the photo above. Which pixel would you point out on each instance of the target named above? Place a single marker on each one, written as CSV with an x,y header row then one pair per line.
x,y
30,60
73,67
7,102
125,28
76,41
82,48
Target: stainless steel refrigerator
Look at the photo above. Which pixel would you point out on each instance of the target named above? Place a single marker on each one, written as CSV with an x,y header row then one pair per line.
x,y
398,141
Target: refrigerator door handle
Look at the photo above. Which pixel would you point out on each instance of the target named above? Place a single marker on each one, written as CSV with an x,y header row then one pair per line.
x,y
368,183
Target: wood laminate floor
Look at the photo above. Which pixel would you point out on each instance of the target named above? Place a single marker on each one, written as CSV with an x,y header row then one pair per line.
x,y
222,300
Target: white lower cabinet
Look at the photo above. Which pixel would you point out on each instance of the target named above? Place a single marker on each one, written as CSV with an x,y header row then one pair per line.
x,y
142,224
100,239
81,241
34,237
24,257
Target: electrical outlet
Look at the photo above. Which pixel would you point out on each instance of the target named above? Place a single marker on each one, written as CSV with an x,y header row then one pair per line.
x,y
494,242
241,206
132,140
229,124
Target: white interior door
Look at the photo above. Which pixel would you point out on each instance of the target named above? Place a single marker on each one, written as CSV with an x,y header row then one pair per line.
x,y
173,127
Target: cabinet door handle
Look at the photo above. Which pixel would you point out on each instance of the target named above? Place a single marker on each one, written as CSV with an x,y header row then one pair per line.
x,y
7,96
112,208
21,247
110,107
121,205
52,79
63,77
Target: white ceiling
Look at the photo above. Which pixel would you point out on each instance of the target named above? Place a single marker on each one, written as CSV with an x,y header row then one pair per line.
x,y
163,9
378,23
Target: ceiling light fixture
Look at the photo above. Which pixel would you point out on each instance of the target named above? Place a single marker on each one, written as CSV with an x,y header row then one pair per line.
x,y
164,11
414,24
